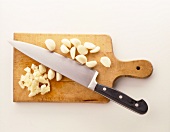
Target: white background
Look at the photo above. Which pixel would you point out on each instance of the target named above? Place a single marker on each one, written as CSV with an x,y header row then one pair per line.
x,y
140,29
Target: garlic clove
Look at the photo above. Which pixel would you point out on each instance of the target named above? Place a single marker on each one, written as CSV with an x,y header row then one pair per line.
x,y
105,61
64,49
58,76
91,64
76,42
95,50
51,74
82,50
42,69
89,45
50,44
73,52
81,58
66,42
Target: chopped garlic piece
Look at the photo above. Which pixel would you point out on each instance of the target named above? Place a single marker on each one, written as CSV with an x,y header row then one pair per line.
x,y
82,50
27,69
51,74
44,89
95,50
41,79
28,82
22,78
42,69
21,84
76,42
81,58
58,76
73,52
36,73
34,92
45,76
105,61
64,49
91,64
34,67
50,44
66,42
34,84
89,45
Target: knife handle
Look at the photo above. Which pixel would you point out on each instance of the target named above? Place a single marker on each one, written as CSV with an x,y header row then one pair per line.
x,y
140,106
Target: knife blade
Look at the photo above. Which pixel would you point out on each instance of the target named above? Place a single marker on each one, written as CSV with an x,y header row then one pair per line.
x,y
78,73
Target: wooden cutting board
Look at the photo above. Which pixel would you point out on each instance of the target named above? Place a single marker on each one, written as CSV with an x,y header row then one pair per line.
x,y
67,90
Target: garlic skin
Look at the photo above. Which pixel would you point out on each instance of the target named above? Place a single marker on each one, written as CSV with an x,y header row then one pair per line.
x,y
89,45
91,64
105,61
82,50
76,42
73,52
64,49
51,74
58,76
50,44
66,42
95,50
81,58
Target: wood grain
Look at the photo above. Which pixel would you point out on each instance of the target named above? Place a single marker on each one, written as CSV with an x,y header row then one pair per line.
x,y
67,90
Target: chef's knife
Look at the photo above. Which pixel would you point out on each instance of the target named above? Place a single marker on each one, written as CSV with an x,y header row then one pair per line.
x,y
78,73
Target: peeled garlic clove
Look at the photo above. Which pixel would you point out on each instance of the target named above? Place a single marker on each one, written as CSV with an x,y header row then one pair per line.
x,y
64,49
91,64
82,50
51,74
105,61
58,76
42,69
81,58
76,42
50,44
73,52
89,45
66,42
95,50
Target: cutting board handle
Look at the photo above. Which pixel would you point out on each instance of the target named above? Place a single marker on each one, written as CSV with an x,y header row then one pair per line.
x,y
135,68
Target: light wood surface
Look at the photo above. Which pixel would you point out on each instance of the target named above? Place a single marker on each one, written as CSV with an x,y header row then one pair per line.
x,y
67,90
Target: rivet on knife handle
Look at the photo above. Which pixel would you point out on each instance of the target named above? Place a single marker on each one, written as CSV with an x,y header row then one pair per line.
x,y
121,98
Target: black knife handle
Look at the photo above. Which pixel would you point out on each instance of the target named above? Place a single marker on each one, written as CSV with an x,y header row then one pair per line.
x,y
140,106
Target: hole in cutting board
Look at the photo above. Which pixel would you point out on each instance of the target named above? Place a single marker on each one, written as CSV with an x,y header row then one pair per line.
x,y
138,68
